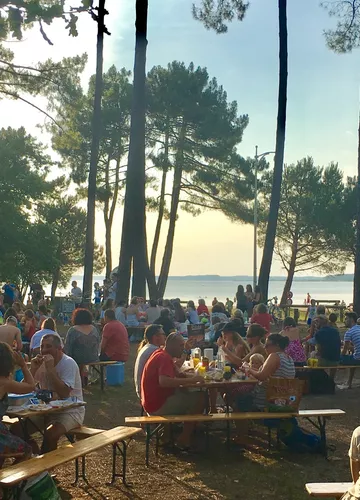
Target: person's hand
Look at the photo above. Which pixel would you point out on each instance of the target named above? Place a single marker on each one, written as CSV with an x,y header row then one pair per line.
x,y
220,341
190,343
18,359
198,379
49,362
37,361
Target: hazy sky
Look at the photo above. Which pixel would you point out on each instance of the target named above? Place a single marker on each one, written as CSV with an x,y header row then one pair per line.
x,y
323,100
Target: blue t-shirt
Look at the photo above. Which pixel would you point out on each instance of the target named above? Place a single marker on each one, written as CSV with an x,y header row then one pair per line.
x,y
353,335
9,291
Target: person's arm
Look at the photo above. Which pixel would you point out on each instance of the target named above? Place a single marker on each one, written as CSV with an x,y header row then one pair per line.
x,y
355,469
232,357
271,364
28,384
68,342
62,390
169,382
19,343
354,454
105,339
346,347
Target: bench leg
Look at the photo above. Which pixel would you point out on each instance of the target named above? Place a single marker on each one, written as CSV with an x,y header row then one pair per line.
x,y
116,452
322,429
148,437
157,440
269,438
102,377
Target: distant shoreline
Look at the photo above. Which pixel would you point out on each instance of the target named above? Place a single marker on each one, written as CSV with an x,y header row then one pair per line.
x,y
241,279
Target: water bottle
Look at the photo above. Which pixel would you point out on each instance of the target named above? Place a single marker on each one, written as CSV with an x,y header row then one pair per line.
x,y
220,359
246,317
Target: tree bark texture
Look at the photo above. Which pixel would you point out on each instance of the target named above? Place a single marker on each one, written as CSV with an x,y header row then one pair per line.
x,y
290,275
96,133
133,241
279,155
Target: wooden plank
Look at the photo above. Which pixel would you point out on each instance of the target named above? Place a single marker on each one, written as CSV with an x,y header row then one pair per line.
x,y
101,363
85,431
36,465
221,417
326,490
338,367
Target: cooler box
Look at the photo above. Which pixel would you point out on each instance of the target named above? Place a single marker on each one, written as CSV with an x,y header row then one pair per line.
x,y
115,374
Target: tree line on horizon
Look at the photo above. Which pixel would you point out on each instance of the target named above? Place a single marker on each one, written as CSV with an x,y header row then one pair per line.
x,y
126,142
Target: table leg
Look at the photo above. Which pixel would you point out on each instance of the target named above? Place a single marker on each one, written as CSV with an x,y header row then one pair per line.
x,y
322,428
102,377
148,437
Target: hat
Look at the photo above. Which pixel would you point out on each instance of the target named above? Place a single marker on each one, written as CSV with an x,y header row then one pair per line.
x,y
231,326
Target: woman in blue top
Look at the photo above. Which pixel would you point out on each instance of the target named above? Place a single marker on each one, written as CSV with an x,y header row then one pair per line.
x,y
192,314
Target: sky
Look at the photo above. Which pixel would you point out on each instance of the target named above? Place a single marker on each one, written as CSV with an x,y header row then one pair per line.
x,y
323,101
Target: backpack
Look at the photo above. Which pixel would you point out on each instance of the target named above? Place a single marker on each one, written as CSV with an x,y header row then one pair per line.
x,y
298,439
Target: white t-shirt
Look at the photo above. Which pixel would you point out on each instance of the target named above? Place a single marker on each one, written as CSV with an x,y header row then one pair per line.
x,y
354,454
68,371
76,292
142,357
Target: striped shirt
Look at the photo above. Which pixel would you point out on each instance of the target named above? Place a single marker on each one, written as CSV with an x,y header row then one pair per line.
x,y
285,370
353,335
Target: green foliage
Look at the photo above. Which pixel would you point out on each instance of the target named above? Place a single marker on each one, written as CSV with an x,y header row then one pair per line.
x,y
43,231
214,14
203,130
346,36
310,217
19,15
67,224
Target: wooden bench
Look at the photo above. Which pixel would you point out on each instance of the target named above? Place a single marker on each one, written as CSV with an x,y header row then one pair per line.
x,y
15,474
337,367
327,490
159,421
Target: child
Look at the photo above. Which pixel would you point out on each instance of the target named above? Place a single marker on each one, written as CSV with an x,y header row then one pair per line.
x,y
311,312
29,324
256,362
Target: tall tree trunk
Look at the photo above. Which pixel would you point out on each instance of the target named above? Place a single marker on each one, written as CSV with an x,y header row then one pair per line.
x,y
96,132
106,221
55,282
279,155
165,266
133,240
161,207
290,275
356,299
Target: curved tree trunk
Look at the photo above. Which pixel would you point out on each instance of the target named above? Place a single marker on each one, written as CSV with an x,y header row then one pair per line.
x,y
158,223
55,282
165,267
96,132
356,299
279,156
133,241
290,275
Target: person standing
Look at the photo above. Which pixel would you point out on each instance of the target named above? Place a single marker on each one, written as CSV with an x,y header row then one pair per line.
x,y
154,337
351,338
115,339
241,299
311,312
76,293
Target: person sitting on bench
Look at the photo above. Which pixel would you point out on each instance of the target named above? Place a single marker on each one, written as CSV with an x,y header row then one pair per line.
x,y
354,454
161,382
351,338
55,371
115,339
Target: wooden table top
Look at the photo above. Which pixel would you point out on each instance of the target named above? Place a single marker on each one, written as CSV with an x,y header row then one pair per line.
x,y
24,413
209,384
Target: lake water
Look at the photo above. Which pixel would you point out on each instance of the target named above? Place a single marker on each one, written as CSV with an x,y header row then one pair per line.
x,y
193,289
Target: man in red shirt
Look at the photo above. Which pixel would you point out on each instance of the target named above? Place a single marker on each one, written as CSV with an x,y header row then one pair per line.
x,y
115,339
161,393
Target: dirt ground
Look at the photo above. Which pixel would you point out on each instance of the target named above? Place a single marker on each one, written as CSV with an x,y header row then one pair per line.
x,y
219,473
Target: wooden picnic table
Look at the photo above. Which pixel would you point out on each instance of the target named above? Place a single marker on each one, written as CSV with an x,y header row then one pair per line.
x,y
24,415
225,385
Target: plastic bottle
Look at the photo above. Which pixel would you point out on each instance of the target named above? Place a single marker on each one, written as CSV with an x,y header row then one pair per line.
x,y
220,359
246,317
196,356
